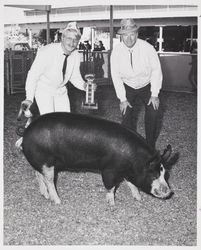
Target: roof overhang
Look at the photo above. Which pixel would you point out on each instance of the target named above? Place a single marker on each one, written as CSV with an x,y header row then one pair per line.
x,y
30,7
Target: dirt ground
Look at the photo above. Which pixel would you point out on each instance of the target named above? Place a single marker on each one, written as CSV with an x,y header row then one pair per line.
x,y
84,217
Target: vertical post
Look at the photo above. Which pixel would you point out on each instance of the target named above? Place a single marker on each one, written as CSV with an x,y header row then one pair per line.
x,y
111,41
92,38
160,39
48,27
111,28
191,41
48,23
92,49
87,61
11,71
7,71
30,38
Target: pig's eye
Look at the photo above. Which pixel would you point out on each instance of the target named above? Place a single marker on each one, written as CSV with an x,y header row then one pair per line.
x,y
161,169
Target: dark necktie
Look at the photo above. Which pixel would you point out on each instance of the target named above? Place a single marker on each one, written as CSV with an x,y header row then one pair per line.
x,y
131,58
64,65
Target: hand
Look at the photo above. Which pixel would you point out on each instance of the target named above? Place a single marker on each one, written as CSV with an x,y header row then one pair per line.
x,y
123,106
26,104
155,102
94,86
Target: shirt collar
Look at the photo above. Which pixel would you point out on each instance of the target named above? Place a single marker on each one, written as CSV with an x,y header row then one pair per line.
x,y
61,49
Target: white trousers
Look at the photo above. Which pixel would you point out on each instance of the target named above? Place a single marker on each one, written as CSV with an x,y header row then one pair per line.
x,y
49,102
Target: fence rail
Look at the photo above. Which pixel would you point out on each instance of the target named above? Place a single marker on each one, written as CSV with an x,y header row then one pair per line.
x,y
17,64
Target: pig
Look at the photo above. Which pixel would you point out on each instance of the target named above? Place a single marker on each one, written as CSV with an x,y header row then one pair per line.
x,y
65,141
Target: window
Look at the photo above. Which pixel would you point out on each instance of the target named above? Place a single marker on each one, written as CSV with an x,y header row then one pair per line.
x,y
150,34
178,38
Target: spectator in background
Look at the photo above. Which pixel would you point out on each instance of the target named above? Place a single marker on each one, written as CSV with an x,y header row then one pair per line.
x,y
98,46
98,59
87,45
101,46
81,46
137,76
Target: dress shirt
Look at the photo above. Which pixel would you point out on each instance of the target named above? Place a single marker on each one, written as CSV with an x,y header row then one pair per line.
x,y
146,68
46,71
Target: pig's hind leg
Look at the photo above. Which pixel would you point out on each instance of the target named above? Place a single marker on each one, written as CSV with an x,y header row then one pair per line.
x,y
48,173
42,185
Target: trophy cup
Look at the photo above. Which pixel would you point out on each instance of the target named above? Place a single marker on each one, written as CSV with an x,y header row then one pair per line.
x,y
89,99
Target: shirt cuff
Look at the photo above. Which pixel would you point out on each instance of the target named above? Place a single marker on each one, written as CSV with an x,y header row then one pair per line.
x,y
123,100
154,93
29,97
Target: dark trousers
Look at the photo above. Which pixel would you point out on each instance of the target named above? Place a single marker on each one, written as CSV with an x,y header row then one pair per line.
x,y
151,115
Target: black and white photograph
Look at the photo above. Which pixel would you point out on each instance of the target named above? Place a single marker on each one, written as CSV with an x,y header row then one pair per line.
x,y
100,123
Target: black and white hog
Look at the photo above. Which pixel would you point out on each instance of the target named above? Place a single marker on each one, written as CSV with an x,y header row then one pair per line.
x,y
65,141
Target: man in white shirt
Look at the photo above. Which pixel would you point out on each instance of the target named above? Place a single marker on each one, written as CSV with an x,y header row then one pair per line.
x,y
136,74
49,73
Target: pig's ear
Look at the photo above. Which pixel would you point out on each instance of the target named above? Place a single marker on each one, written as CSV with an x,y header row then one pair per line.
x,y
154,159
166,154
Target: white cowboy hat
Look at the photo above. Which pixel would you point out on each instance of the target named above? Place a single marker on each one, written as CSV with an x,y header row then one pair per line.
x,y
72,26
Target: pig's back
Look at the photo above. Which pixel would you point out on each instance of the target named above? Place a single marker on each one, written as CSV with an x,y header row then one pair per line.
x,y
78,138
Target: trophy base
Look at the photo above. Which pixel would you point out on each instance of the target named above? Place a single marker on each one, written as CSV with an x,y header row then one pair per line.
x,y
90,105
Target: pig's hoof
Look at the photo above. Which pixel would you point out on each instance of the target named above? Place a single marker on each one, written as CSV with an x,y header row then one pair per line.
x,y
46,195
57,201
138,197
110,200
43,191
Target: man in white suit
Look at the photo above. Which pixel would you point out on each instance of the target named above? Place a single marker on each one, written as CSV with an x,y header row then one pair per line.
x,y
55,65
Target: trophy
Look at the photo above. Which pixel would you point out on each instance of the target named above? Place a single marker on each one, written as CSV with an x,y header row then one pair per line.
x,y
89,99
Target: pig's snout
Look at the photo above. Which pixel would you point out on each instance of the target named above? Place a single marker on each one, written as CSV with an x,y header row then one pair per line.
x,y
162,192
160,188
165,190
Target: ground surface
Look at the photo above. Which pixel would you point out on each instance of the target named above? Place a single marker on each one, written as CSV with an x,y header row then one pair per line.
x,y
84,217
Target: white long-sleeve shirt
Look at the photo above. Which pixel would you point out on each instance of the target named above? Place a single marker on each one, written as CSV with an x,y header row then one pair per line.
x,y
146,68
46,71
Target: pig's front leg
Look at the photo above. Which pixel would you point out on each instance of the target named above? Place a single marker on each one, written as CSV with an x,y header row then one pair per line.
x,y
134,190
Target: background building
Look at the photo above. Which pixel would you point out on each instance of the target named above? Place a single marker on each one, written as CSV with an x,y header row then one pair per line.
x,y
167,27
171,29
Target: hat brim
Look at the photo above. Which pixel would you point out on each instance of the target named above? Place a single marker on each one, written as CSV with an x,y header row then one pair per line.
x,y
122,32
